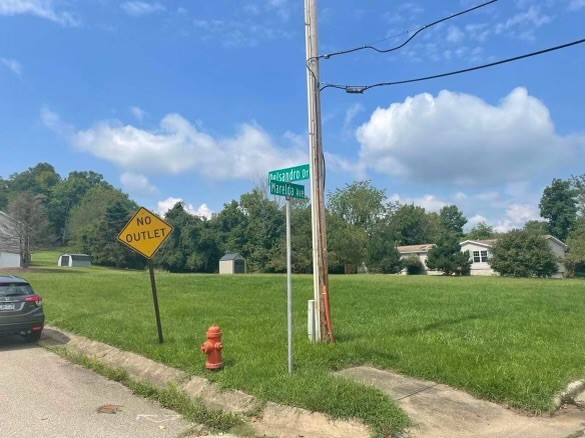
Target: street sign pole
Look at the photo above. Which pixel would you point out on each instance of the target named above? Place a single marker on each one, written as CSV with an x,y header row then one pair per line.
x,y
145,232
155,301
279,182
289,288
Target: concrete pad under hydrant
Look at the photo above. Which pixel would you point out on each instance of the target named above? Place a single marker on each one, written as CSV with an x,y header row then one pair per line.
x,y
439,411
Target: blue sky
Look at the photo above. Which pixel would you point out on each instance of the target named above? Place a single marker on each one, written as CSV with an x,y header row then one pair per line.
x,y
197,101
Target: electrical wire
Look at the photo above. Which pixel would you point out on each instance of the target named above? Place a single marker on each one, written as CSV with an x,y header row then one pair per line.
x,y
359,89
419,30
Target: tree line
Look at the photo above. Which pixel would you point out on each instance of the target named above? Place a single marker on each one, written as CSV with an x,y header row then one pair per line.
x,y
85,213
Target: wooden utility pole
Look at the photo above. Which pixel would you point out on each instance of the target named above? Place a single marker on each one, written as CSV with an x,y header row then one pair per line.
x,y
323,330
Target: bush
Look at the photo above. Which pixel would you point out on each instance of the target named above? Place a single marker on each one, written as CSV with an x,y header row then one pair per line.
x,y
523,254
448,258
412,264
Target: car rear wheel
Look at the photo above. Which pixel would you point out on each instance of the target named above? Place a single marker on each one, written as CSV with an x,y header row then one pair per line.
x,y
33,337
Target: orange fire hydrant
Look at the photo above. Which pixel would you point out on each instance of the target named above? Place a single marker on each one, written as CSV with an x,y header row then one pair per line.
x,y
212,348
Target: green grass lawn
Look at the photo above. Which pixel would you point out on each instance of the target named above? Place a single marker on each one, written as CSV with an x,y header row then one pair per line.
x,y
514,341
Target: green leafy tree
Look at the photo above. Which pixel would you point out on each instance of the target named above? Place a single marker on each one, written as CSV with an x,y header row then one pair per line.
x,y
447,257
301,239
30,224
264,231
537,227
91,210
578,184
575,258
359,204
412,225
301,242
412,264
383,256
192,247
521,253
451,220
38,180
68,194
481,231
559,206
231,224
103,244
347,243
3,194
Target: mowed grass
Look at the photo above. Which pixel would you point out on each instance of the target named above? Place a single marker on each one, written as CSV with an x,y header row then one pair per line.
x,y
513,341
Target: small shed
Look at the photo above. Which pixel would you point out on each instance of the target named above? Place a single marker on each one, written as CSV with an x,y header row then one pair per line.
x,y
74,260
232,264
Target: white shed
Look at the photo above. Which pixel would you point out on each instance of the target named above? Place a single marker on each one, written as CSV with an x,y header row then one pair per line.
x,y
232,264
9,243
74,260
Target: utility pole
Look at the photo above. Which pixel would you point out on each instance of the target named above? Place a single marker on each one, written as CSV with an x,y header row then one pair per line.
x,y
323,326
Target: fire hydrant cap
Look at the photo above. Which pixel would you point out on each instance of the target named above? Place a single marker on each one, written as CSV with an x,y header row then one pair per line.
x,y
214,331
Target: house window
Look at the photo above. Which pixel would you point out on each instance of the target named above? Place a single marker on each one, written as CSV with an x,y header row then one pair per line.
x,y
480,256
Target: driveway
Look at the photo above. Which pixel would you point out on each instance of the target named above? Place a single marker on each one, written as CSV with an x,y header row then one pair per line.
x,y
43,395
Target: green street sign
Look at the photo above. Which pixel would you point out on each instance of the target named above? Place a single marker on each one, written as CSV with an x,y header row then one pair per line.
x,y
287,189
297,173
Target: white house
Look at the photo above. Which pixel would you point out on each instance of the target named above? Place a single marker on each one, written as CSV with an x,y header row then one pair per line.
x,y
479,254
479,251
422,252
9,243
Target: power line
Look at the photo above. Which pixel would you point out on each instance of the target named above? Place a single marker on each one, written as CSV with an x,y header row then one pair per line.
x,y
358,89
420,29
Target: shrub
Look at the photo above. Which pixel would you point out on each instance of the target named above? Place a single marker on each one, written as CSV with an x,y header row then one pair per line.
x,y
412,264
523,254
448,258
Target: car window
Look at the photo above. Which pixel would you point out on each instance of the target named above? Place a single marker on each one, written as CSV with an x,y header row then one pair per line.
x,y
15,289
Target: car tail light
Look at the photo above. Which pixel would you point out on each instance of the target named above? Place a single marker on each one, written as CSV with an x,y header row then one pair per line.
x,y
35,299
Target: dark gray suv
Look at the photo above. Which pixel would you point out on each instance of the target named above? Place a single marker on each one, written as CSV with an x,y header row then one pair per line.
x,y
21,309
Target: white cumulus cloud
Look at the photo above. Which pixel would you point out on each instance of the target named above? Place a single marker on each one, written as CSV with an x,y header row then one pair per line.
x,y
178,146
459,139
138,184
46,9
140,8
430,203
202,211
516,216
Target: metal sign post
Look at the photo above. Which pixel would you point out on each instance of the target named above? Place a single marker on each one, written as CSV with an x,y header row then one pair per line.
x,y
279,184
289,288
144,233
155,301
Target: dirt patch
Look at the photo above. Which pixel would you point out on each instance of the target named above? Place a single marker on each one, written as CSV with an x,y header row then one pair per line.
x,y
19,271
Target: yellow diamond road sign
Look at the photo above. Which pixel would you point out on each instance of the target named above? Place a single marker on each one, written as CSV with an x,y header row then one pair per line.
x,y
145,232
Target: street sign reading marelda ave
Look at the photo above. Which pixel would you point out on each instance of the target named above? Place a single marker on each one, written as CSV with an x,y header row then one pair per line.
x,y
145,232
287,189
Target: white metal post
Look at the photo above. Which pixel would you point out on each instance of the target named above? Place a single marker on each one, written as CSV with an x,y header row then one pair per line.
x,y
289,288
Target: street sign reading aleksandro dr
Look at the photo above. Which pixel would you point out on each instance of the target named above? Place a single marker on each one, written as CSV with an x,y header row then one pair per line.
x,y
297,173
145,232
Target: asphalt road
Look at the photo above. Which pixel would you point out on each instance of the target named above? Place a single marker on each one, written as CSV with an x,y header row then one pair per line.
x,y
43,395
